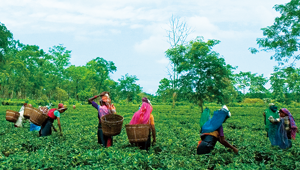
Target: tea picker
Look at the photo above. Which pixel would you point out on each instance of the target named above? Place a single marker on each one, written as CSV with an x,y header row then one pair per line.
x,y
53,114
104,109
212,131
141,125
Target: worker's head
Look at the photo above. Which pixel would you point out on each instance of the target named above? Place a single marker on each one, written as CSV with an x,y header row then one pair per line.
x,y
105,99
60,105
61,110
282,113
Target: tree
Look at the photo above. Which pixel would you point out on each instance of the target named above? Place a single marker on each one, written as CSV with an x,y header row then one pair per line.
x,y
128,88
256,84
101,68
164,89
203,72
177,35
277,81
242,80
285,84
283,36
5,38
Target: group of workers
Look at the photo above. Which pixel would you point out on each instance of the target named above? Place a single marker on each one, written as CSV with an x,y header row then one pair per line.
x,y
47,126
279,124
142,116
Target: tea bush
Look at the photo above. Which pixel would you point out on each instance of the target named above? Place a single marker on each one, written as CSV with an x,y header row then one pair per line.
x,y
177,138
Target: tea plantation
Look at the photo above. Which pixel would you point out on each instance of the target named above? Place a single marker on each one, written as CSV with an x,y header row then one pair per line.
x,y
177,138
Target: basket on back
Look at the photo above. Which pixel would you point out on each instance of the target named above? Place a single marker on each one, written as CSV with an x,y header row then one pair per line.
x,y
27,111
37,117
12,116
137,133
112,124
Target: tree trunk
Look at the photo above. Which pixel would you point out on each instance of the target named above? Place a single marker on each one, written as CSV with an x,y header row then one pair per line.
x,y
174,99
201,105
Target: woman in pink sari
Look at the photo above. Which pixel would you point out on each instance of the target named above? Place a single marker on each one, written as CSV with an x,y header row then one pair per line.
x,y
144,116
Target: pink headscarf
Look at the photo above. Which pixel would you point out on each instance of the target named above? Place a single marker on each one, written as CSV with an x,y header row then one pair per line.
x,y
142,116
292,122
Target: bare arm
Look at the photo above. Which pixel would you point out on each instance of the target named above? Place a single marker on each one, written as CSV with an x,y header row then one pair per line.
x,y
58,123
54,128
90,100
226,144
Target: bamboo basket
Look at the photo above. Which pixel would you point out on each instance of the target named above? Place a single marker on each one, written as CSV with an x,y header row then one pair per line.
x,y
37,117
12,116
27,111
112,124
137,133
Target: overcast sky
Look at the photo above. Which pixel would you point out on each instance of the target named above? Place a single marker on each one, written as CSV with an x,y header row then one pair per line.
x,y
131,33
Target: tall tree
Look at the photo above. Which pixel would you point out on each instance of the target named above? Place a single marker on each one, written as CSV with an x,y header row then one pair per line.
x,y
177,34
102,69
203,71
5,38
283,36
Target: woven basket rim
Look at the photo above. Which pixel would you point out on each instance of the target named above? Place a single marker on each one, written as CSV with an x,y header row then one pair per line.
x,y
12,111
106,121
136,125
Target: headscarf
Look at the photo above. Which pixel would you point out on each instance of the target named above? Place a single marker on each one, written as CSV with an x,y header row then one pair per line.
x,y
205,116
271,111
292,122
144,99
142,116
60,105
216,121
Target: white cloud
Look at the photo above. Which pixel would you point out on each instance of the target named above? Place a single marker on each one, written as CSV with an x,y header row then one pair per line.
x,y
154,44
163,61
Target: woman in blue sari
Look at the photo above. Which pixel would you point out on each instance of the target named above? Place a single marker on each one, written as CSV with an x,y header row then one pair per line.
x,y
212,131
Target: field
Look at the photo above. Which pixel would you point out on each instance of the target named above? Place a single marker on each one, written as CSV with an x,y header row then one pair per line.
x,y
177,137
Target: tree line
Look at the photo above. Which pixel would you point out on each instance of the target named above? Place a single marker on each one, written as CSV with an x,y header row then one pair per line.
x,y
26,71
198,74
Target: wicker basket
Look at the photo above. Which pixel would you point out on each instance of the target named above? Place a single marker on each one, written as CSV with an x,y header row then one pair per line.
x,y
27,111
137,133
112,124
12,116
37,117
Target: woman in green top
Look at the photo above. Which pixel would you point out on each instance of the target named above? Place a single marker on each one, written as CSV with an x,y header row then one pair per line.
x,y
270,111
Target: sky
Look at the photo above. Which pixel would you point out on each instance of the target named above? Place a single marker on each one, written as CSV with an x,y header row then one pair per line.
x,y
132,33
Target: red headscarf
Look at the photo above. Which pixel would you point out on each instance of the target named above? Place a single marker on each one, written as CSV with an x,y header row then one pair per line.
x,y
142,116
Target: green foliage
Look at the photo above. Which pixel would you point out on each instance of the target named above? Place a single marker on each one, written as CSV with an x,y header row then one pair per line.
x,y
204,75
128,89
283,36
177,137
248,100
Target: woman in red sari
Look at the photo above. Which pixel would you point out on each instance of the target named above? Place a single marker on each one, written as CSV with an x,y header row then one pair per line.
x,y
144,116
